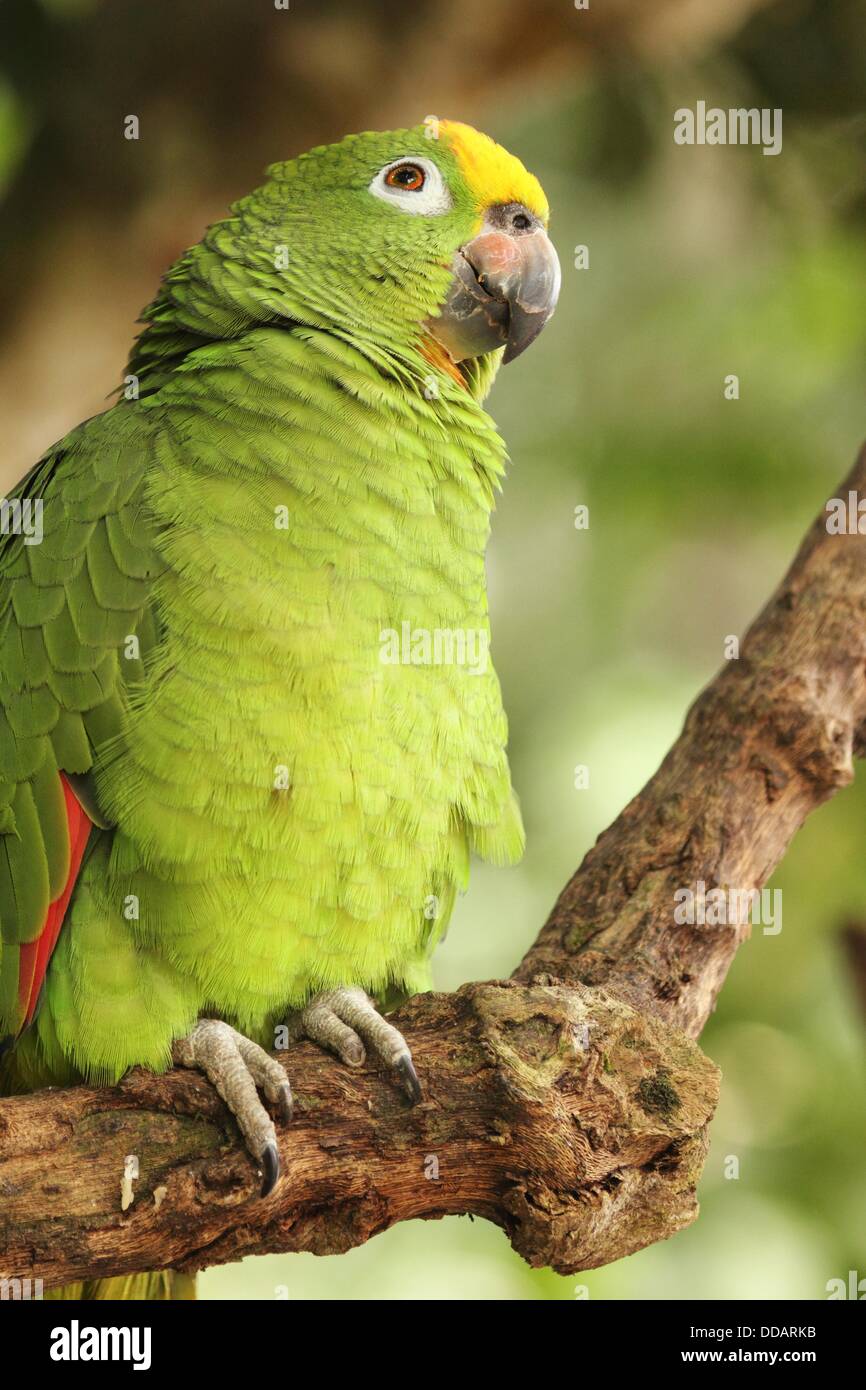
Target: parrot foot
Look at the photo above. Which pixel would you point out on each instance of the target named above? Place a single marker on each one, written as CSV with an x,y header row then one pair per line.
x,y
237,1067
346,1022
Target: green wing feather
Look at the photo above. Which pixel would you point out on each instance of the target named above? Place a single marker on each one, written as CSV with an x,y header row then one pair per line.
x,y
68,604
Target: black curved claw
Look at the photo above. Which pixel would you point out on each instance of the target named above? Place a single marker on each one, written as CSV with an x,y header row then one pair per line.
x,y
270,1163
409,1077
287,1105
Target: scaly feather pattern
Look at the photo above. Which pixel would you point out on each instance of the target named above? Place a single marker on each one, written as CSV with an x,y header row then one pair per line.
x,y
200,637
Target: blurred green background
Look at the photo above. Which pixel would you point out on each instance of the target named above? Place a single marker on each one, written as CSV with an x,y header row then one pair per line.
x,y
702,262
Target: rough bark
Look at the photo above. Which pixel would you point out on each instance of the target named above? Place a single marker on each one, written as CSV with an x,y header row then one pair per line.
x,y
769,740
569,1104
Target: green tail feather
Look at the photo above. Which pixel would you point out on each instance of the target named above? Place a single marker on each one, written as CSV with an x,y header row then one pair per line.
x,y
161,1286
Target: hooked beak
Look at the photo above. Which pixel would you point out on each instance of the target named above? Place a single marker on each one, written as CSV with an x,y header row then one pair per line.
x,y
505,287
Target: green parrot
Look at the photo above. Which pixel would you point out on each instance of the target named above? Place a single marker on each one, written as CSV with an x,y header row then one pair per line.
x,y
249,733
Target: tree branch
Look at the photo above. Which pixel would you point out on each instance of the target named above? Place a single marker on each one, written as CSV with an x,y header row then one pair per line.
x,y
568,1105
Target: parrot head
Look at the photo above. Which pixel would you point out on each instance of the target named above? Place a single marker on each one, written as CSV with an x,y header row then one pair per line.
x,y
430,240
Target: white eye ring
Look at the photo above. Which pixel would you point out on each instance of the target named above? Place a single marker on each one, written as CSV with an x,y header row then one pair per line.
x,y
431,200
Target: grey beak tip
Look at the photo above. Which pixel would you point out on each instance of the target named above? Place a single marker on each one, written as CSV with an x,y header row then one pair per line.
x,y
524,327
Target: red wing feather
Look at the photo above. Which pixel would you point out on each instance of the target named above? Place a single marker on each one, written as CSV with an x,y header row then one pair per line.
x,y
33,956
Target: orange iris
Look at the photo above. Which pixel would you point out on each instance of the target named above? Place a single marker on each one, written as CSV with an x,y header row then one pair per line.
x,y
406,176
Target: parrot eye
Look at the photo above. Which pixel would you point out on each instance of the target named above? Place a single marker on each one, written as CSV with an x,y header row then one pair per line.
x,y
409,176
413,185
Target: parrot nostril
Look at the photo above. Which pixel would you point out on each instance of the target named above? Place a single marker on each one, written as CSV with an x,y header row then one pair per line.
x,y
521,222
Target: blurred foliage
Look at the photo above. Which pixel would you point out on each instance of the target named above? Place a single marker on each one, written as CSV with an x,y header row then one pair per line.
x,y
703,262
